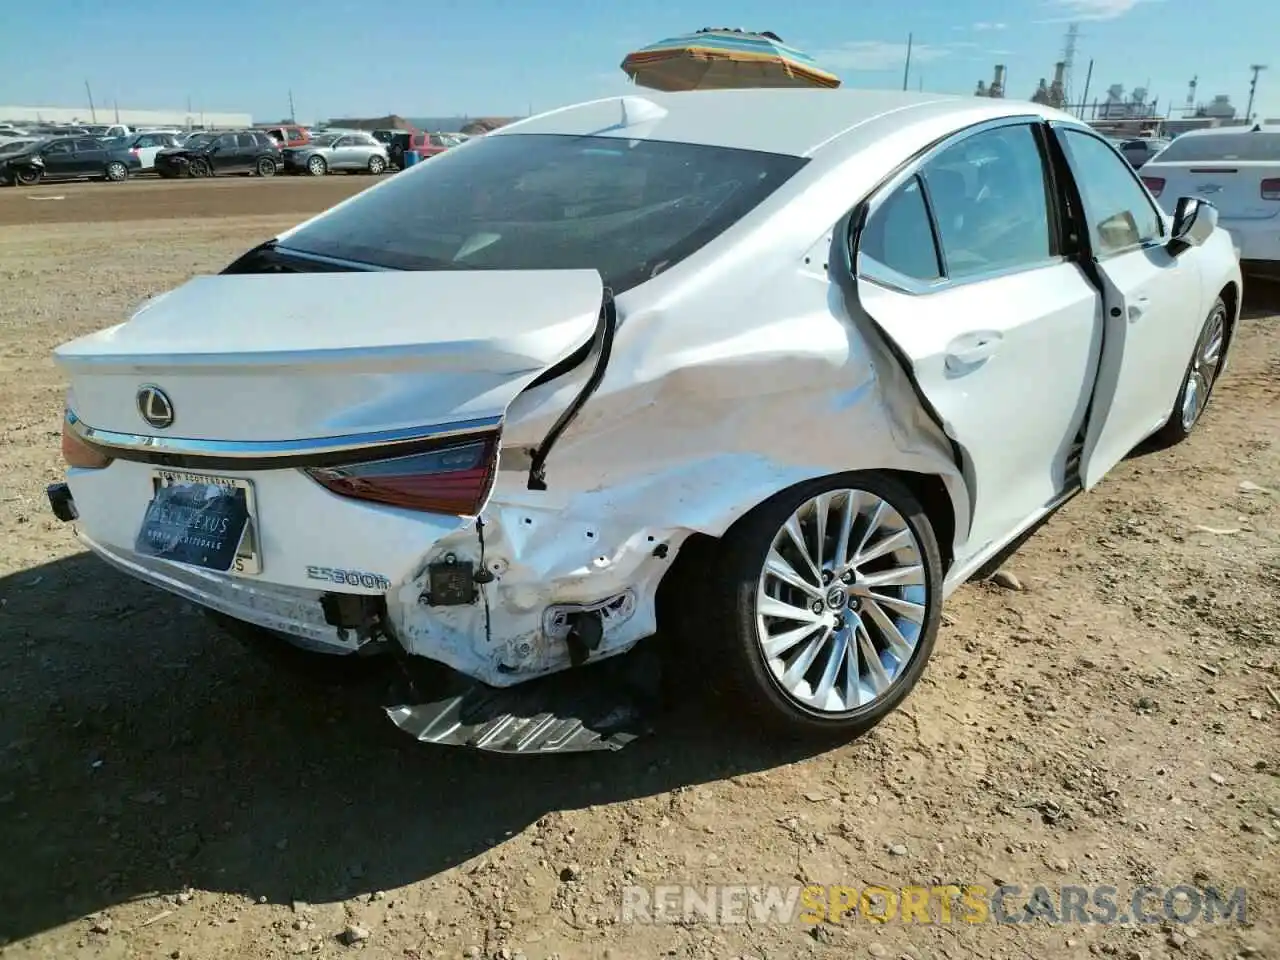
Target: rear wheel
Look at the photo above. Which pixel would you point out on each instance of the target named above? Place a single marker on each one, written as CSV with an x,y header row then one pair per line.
x,y
317,167
117,172
377,165
1200,377
826,605
266,167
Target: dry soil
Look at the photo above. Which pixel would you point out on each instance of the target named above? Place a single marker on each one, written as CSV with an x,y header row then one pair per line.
x,y
1111,722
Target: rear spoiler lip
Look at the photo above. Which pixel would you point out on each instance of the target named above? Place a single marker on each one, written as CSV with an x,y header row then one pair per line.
x,y
186,453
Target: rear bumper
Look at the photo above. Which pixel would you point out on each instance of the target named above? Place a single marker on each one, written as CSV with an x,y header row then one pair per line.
x,y
290,610
1257,240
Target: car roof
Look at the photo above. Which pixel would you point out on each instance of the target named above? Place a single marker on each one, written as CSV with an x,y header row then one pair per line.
x,y
798,122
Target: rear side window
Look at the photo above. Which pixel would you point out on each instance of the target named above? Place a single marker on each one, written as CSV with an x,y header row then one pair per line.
x,y
1120,215
626,208
900,236
1219,147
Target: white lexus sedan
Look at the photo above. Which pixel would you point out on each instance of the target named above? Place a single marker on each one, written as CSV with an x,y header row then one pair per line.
x,y
770,371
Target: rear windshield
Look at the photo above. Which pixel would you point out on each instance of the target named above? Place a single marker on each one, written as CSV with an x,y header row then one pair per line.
x,y
1223,146
628,209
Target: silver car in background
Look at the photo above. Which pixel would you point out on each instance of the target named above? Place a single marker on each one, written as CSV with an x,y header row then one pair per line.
x,y
333,152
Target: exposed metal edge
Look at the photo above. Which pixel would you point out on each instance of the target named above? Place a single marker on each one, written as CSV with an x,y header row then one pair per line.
x,y
184,451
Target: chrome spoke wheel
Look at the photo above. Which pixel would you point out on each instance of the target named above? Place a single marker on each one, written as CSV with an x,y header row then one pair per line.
x,y
1204,368
841,601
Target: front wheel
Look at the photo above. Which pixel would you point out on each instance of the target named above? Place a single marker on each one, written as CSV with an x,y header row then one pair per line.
x,y
826,605
1200,377
317,167
266,167
199,168
377,165
27,176
117,172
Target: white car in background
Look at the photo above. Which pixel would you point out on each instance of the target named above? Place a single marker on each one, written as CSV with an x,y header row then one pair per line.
x,y
774,371
145,146
1237,169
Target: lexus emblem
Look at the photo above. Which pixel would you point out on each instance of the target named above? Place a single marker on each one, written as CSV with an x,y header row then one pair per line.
x,y
155,406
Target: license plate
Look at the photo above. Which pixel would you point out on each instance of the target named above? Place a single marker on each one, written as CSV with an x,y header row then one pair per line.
x,y
201,521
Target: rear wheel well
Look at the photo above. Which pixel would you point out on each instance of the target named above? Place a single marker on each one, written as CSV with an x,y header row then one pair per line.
x,y
1230,295
685,586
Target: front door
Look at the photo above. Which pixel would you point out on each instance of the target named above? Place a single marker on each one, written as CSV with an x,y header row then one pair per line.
x,y
59,160
1002,331
1151,303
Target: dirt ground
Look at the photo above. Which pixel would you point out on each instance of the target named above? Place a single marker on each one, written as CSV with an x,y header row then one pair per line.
x,y
163,795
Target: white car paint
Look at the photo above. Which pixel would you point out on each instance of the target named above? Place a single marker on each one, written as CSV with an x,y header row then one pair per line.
x,y
1231,180
755,363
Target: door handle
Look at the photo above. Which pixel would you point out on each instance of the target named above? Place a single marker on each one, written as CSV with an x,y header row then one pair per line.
x,y
964,352
1138,307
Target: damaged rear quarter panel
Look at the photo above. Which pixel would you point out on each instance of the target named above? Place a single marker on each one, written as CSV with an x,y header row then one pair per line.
x,y
742,371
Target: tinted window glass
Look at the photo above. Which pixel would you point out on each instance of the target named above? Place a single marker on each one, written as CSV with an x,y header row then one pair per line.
x,y
1119,213
898,236
247,140
88,146
227,140
60,146
628,209
1223,146
990,202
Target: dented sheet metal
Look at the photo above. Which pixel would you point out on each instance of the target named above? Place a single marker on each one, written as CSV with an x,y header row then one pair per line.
x,y
602,707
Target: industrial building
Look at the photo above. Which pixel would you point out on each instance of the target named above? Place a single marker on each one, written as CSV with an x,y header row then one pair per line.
x,y
134,118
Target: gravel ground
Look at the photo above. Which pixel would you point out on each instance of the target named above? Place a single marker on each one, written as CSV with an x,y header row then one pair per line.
x,y
1103,719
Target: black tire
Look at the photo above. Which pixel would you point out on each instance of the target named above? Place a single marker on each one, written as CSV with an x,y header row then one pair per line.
x,y
1178,428
27,176
317,166
325,669
266,167
199,168
377,166
116,172
737,665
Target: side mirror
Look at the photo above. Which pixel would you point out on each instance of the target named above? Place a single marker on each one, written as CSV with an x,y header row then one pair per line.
x,y
1194,221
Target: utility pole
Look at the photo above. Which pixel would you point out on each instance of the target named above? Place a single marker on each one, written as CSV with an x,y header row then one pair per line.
x,y
94,113
1257,68
906,70
293,116
1084,98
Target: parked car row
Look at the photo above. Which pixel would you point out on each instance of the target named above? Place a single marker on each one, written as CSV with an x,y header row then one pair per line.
x,y
170,154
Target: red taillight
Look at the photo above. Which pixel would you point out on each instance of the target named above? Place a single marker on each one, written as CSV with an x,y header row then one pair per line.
x,y
455,479
77,453
1154,184
1271,189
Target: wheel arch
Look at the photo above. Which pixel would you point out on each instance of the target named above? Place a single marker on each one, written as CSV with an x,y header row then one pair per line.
x,y
684,582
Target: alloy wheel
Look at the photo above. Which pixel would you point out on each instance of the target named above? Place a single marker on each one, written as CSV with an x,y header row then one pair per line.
x,y
1204,368
841,601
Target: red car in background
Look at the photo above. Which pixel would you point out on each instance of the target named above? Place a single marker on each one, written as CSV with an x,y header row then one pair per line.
x,y
288,136
427,144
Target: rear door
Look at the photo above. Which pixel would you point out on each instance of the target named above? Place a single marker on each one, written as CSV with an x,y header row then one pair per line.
x,y
90,156
1152,300
961,263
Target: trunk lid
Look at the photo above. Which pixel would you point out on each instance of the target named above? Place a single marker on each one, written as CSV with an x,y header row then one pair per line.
x,y
273,357
1233,186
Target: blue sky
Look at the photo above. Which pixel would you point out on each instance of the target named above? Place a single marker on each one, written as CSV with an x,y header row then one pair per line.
x,y
441,57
